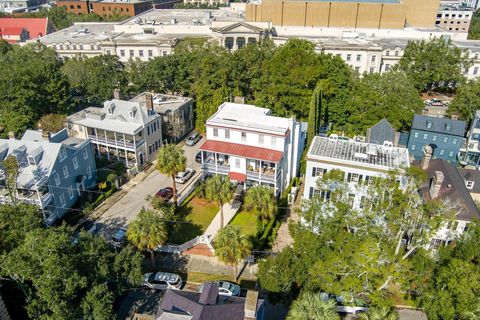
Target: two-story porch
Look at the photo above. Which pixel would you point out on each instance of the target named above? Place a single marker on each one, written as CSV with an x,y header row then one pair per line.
x,y
244,164
117,146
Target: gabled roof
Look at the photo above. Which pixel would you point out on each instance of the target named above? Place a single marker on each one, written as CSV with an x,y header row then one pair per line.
x,y
439,125
36,27
236,25
185,302
381,132
452,189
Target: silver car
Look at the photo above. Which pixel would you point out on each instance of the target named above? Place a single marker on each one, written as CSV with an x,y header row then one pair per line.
x,y
226,288
193,138
184,176
162,280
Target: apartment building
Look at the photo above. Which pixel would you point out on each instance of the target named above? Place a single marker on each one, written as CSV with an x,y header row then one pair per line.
x,y
54,170
454,18
15,6
444,135
122,130
251,146
176,114
207,2
469,154
360,162
106,7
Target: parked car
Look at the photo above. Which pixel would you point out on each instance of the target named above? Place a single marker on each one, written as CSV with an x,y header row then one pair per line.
x,y
165,193
184,176
89,226
226,288
193,138
119,238
162,280
198,157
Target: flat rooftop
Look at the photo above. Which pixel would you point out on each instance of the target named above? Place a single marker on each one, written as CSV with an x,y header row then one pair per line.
x,y
184,17
355,1
358,153
163,103
83,33
248,116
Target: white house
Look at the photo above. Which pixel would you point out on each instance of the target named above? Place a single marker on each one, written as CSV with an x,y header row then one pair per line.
x,y
251,146
361,163
122,130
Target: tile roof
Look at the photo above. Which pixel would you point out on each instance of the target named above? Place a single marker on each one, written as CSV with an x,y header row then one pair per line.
x,y
14,31
241,150
36,27
440,125
453,188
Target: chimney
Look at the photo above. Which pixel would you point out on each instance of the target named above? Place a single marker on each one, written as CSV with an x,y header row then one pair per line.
x,y
209,293
45,135
427,155
116,94
250,308
11,135
149,101
454,116
436,184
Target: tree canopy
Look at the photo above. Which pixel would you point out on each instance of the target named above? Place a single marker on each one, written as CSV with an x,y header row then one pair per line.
x,y
62,278
467,101
435,63
231,247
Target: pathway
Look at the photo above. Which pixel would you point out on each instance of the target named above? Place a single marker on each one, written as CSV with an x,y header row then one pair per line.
x,y
284,239
229,211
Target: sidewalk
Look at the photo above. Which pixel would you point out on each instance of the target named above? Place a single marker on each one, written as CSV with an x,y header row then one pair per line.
x,y
229,211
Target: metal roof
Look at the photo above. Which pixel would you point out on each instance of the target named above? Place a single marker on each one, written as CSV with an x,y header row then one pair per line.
x,y
242,150
358,153
439,125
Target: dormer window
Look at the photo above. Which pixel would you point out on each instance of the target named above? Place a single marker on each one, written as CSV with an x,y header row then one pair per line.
x,y
132,114
31,160
110,110
469,184
429,124
448,127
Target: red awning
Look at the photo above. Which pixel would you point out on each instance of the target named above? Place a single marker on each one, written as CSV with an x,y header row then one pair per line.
x,y
242,150
236,176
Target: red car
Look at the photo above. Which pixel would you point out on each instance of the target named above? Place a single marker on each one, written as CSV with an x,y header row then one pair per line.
x,y
165,193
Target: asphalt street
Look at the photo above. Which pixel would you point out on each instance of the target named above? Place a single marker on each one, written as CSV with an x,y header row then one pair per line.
x,y
127,208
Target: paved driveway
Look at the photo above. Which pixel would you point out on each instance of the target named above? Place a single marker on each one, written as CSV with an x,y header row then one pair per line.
x,y
127,208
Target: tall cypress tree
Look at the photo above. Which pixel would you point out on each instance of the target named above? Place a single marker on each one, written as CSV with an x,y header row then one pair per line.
x,y
314,115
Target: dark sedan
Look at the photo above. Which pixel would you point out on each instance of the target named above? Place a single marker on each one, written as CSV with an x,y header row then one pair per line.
x,y
165,193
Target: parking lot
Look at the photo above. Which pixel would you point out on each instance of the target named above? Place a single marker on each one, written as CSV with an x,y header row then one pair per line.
x,y
127,208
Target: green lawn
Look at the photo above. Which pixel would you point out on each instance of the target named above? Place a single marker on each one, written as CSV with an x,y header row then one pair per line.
x,y
199,213
246,221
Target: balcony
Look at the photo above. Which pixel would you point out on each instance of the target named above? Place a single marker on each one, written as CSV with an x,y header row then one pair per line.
x,y
118,143
220,168
264,176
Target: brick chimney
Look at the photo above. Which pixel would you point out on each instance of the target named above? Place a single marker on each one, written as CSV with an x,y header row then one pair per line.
x,y
149,101
427,155
209,293
436,184
116,94
250,308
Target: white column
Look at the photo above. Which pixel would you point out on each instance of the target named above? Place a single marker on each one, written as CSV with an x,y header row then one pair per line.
x,y
275,179
215,157
260,170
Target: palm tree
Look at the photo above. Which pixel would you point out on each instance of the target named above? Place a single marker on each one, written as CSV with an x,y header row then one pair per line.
x,y
261,201
219,188
170,161
231,246
312,306
380,313
147,232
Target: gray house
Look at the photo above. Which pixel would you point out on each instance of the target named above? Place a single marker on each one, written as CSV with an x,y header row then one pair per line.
x,y
209,305
176,113
53,171
381,132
